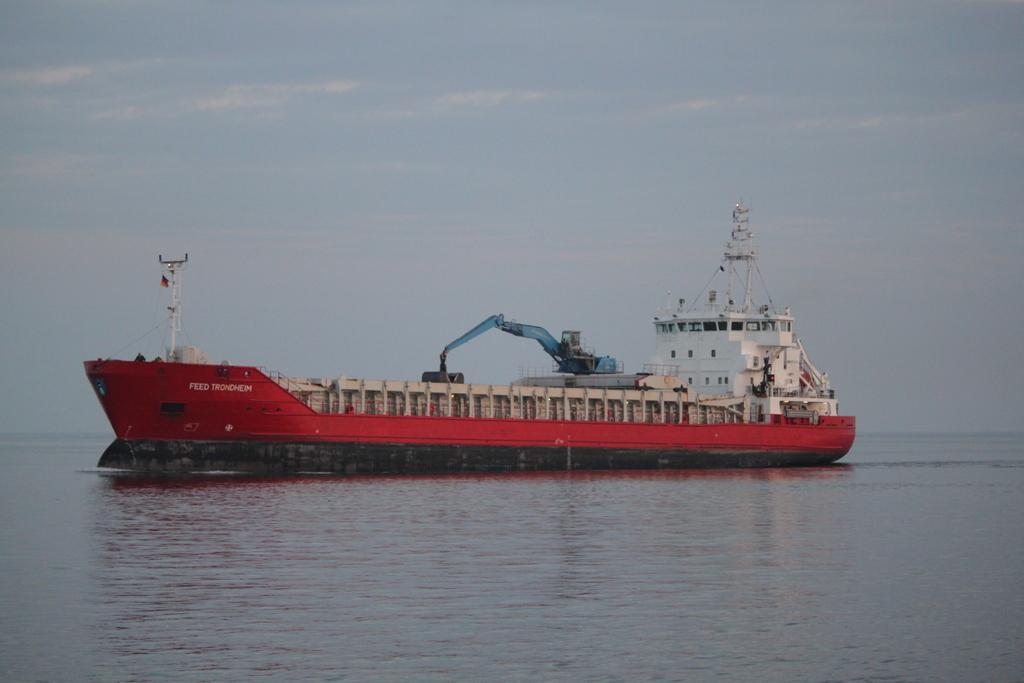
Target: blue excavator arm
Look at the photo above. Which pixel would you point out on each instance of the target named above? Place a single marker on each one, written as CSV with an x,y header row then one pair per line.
x,y
568,353
493,321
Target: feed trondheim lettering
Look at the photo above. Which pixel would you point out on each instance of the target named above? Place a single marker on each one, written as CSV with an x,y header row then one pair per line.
x,y
203,386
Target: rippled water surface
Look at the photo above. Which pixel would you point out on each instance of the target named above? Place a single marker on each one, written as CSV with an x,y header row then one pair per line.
x,y
905,564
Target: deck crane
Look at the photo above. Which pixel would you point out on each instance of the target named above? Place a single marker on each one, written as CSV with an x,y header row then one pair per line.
x,y
569,353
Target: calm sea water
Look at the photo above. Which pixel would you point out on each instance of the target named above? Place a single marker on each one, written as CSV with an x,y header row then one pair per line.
x,y
905,564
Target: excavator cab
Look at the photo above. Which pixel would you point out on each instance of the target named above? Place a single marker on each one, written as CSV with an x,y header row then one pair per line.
x,y
571,342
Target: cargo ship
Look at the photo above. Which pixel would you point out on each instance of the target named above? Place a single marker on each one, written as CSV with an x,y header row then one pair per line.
x,y
729,386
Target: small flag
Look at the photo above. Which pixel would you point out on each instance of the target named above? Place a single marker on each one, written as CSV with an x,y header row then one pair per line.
x,y
164,282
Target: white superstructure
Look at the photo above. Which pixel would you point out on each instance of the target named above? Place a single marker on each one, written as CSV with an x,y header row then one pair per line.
x,y
735,349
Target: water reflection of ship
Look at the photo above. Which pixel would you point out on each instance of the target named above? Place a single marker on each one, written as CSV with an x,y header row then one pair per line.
x,y
760,528
279,567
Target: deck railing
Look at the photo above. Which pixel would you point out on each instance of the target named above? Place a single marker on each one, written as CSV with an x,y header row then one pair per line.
x,y
802,392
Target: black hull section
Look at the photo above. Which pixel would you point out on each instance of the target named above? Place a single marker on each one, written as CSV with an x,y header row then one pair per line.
x,y
263,457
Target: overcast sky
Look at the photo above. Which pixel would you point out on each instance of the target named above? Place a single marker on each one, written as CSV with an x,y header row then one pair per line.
x,y
357,184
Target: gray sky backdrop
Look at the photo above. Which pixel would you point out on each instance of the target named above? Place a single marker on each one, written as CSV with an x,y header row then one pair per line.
x,y
358,183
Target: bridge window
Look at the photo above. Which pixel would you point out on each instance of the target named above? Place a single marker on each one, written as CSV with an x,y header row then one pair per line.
x,y
689,354
712,353
753,326
710,326
673,353
671,327
768,325
696,327
737,325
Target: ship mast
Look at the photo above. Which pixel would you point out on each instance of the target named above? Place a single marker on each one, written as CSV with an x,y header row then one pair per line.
x,y
741,248
174,269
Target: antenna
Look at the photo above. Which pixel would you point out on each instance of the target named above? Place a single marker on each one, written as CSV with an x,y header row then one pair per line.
x,y
174,268
741,249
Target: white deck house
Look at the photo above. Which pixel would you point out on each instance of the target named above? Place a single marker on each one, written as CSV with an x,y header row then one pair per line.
x,y
735,349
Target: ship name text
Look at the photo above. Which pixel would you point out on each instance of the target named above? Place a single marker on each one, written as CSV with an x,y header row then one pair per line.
x,y
203,386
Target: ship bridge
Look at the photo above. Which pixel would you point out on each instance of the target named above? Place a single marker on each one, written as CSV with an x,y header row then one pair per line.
x,y
738,348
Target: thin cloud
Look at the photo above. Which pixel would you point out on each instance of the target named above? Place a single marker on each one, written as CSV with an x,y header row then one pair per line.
x,y
119,114
485,98
255,96
45,166
839,122
48,75
699,104
689,105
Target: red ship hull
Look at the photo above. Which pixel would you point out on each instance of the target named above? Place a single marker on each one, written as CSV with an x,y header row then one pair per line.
x,y
185,417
